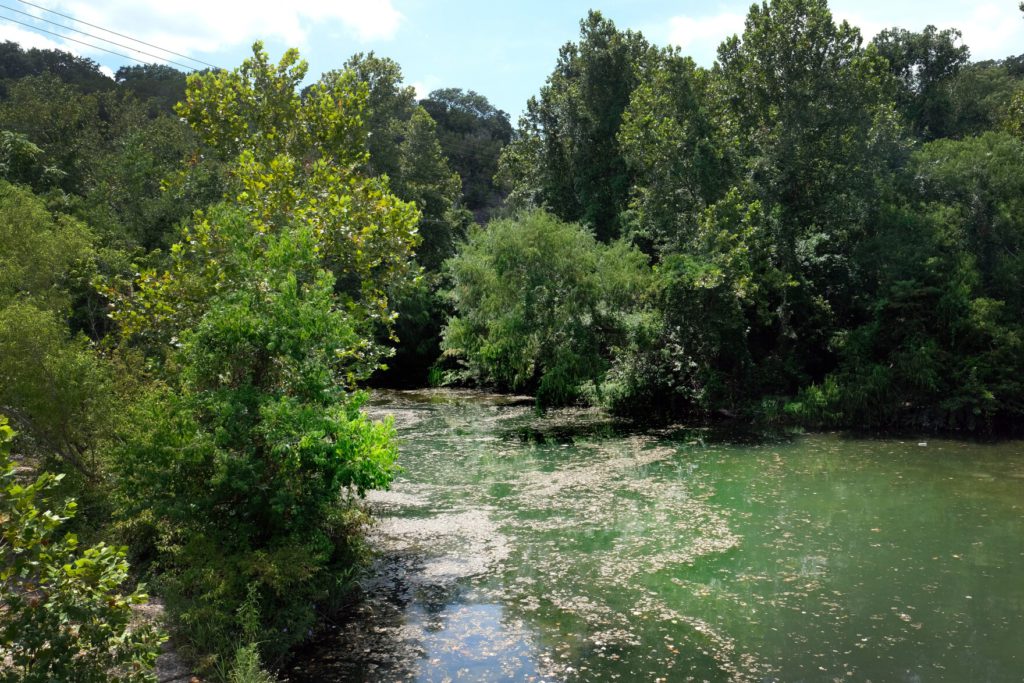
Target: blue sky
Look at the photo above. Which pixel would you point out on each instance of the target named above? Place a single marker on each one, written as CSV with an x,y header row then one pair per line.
x,y
503,50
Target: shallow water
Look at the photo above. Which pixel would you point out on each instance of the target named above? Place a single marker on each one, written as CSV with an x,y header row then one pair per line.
x,y
564,548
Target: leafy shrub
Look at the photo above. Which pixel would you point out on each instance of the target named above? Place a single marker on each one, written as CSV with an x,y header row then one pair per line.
x,y
538,304
65,617
245,473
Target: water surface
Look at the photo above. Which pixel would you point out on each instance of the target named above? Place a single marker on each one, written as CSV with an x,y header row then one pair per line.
x,y
565,548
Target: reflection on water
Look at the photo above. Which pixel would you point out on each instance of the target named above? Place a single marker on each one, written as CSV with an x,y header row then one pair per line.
x,y
567,548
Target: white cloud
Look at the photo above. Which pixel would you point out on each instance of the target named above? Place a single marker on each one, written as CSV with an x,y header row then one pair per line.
x,y
869,27
993,30
29,39
201,26
700,37
421,89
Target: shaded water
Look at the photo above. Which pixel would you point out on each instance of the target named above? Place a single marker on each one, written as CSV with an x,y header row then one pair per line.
x,y
520,548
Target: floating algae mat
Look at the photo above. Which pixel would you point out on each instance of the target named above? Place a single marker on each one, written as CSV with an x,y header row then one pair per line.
x,y
565,547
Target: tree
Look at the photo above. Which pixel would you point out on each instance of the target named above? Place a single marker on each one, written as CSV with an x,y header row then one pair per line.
x,y
566,156
51,381
537,305
389,106
1013,122
246,459
158,85
292,158
19,158
244,475
942,347
472,133
402,142
671,145
80,72
983,95
425,178
61,121
925,65
66,616
817,132
697,346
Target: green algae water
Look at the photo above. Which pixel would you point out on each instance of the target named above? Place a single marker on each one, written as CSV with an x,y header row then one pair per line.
x,y
517,547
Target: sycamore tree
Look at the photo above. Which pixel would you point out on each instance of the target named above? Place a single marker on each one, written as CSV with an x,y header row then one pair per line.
x,y
252,447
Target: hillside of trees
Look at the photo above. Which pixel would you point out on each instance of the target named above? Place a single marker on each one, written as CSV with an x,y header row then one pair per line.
x,y
200,275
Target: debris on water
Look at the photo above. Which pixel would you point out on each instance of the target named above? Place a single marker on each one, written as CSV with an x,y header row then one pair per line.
x,y
557,547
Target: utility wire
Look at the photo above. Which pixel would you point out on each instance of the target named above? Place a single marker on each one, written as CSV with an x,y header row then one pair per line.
x,y
141,42
82,42
106,40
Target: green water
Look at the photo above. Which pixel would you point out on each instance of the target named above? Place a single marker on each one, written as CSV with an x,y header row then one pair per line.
x,y
564,548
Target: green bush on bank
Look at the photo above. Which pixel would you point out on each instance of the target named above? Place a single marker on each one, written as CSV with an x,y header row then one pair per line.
x,y
66,616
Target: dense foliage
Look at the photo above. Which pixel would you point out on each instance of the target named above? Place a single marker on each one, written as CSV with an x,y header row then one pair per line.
x,y
198,274
65,614
539,303
830,225
250,449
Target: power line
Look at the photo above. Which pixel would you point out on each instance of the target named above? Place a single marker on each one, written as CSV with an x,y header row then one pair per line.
x,y
75,40
106,40
141,42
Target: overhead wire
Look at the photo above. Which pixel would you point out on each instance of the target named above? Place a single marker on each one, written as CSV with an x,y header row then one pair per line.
x,y
131,38
91,35
74,40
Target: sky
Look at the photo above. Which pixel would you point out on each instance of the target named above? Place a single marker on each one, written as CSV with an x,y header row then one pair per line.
x,y
503,50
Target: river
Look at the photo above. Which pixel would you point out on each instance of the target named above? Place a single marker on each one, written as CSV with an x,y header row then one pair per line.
x,y
564,547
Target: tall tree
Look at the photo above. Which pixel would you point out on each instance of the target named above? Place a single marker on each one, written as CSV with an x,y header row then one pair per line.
x,y
810,110
674,149
925,65
566,156
246,458
389,106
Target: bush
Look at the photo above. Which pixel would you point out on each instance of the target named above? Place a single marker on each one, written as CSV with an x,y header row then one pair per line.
x,y
66,617
245,473
538,303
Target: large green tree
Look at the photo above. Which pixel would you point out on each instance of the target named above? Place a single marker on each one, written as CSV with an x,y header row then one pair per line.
x,y
942,348
809,108
675,152
51,381
566,156
538,304
925,65
389,106
247,456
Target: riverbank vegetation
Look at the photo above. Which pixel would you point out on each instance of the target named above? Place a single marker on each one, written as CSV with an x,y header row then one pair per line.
x,y
198,277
